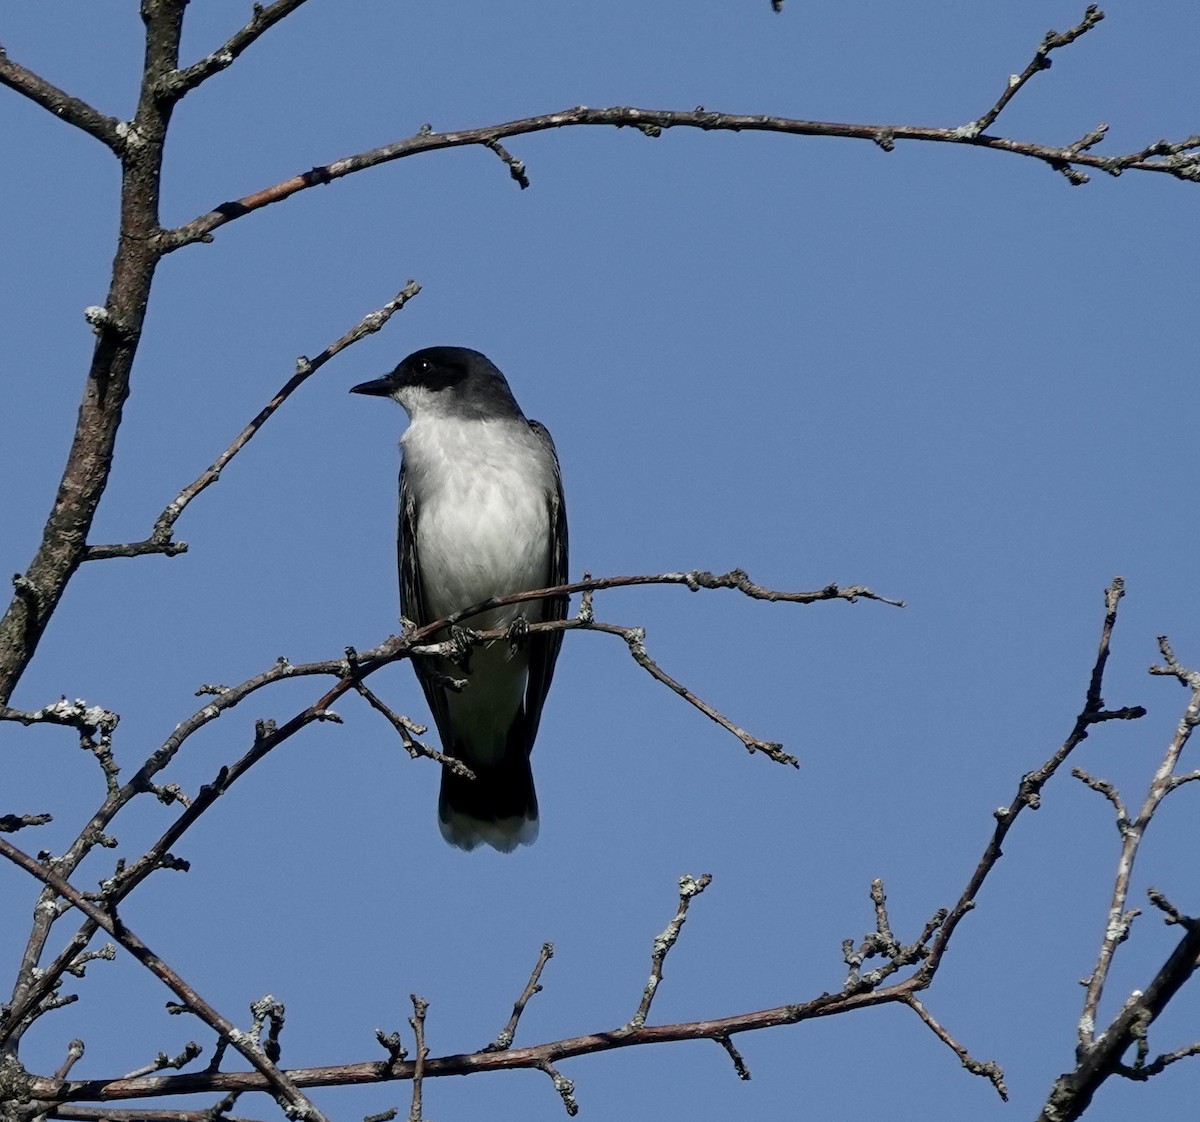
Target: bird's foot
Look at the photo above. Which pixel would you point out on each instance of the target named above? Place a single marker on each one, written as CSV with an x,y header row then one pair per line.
x,y
463,641
518,636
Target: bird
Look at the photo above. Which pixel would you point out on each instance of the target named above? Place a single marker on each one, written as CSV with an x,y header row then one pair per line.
x,y
482,515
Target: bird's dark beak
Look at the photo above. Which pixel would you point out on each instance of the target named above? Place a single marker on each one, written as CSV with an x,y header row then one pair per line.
x,y
380,387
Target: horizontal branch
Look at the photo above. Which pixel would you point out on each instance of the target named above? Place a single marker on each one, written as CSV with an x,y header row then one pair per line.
x,y
1178,159
108,130
535,1057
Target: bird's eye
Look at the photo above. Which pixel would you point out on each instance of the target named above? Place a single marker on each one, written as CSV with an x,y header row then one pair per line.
x,y
424,366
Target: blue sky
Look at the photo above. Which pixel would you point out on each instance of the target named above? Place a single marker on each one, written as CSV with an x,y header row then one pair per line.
x,y
940,372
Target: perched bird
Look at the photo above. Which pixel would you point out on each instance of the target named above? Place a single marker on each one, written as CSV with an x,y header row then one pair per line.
x,y
481,515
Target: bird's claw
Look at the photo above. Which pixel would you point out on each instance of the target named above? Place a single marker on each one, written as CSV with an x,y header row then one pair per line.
x,y
463,641
518,636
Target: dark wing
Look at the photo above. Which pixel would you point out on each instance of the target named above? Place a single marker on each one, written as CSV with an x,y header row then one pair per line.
x,y
412,606
543,649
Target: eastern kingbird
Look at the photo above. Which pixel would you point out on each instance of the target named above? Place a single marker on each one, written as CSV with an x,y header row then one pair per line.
x,y
481,515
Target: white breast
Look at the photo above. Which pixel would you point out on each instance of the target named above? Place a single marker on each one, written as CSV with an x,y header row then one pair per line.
x,y
483,529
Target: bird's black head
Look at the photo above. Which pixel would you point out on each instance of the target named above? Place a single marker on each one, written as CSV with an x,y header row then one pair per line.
x,y
453,381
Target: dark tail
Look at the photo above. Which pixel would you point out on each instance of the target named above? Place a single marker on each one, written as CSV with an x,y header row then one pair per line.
x,y
497,808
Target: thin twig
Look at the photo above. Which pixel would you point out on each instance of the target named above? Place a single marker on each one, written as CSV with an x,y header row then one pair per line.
x,y
407,729
739,1064
74,1053
1116,928
146,1114
989,1069
417,1020
182,82
11,823
282,1086
516,168
1029,791
509,1032
1105,788
162,1061
1052,41
564,1086
160,539
689,887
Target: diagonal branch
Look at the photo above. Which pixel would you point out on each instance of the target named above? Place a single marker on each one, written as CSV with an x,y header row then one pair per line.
x,y
1052,41
161,539
533,986
1073,1091
689,887
181,82
280,1085
108,130
1029,792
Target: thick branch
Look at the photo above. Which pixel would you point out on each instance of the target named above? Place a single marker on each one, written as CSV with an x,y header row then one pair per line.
x,y
118,328
1073,1091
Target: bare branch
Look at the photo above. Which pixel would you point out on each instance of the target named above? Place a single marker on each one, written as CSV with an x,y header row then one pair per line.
x,y
564,1086
1099,1052
515,167
34,985
407,729
148,1114
1029,792
417,1020
283,1088
63,544
176,85
160,539
689,887
739,1064
509,1032
74,1053
108,130
1177,159
11,823
1073,1091
989,1069
162,1061
1052,41
1116,929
